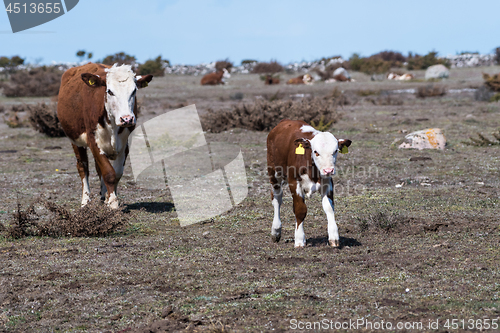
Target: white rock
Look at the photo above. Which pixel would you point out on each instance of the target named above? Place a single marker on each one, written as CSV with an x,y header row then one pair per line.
x,y
437,72
431,138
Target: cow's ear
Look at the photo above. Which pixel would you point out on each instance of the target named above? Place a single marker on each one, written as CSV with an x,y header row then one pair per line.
x,y
143,81
93,81
304,142
343,144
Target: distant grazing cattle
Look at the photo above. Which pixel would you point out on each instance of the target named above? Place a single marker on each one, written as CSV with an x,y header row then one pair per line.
x,y
340,75
304,158
271,80
303,79
213,79
97,109
397,77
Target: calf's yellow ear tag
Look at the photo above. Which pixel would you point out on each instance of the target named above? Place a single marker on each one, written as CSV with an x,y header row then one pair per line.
x,y
91,82
344,150
300,150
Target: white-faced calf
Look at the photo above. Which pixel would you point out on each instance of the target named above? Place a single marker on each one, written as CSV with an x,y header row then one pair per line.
x,y
305,158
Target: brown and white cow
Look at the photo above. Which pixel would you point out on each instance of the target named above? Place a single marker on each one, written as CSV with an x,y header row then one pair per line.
x,y
213,79
303,79
304,158
97,109
397,77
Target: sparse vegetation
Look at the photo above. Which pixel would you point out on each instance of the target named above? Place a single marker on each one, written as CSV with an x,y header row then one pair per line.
x,y
267,68
492,81
38,82
264,115
248,61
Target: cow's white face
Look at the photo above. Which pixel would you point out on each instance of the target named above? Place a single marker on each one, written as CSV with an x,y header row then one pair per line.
x,y
324,147
121,85
225,74
120,95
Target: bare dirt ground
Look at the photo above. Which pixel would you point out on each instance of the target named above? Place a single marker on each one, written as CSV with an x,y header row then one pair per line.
x,y
424,252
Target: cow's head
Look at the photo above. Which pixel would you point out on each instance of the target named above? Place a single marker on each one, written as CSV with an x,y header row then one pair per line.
x,y
121,85
324,150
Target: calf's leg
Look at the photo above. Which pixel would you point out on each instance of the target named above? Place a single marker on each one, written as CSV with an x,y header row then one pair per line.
x,y
82,164
300,211
277,199
328,207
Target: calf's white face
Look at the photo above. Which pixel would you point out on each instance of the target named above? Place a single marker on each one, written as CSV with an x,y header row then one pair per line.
x,y
325,148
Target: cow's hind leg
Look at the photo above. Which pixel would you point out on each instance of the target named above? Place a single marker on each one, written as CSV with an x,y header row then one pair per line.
x,y
300,211
82,164
328,207
277,197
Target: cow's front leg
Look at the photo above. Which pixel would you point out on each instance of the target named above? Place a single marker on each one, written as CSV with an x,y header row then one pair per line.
x,y
328,207
300,211
108,176
119,165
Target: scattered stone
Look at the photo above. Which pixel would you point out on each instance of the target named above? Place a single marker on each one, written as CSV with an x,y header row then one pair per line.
x,y
437,72
167,311
431,138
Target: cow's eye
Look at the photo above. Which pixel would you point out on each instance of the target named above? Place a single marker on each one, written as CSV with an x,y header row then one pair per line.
x,y
317,154
110,93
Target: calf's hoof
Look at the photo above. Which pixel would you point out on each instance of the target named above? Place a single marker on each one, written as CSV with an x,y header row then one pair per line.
x,y
276,238
113,204
300,246
334,242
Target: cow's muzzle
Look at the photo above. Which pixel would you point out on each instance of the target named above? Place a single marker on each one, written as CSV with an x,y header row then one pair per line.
x,y
127,121
328,171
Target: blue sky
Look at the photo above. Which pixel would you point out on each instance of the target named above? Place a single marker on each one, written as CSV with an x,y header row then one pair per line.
x,y
195,31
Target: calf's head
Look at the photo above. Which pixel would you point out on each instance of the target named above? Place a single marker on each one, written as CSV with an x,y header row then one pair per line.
x,y
121,85
324,150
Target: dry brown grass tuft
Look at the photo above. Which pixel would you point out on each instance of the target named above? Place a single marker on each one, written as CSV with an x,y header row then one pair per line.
x,y
264,115
492,81
43,118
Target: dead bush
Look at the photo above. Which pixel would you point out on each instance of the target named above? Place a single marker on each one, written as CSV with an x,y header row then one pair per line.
x,y
43,118
430,91
264,115
267,67
383,220
221,64
492,81
38,82
481,140
53,220
339,98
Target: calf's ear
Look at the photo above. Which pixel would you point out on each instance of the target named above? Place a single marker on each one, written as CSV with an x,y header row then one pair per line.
x,y
143,81
344,142
93,81
304,142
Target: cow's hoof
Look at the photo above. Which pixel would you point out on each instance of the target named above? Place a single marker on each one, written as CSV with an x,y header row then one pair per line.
x,y
334,242
300,246
276,238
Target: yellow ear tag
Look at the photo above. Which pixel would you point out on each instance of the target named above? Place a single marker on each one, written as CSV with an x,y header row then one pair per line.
x,y
344,150
300,150
145,84
91,82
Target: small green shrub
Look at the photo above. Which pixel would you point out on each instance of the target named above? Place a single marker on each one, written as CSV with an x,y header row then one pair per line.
x,y
153,67
423,62
121,58
248,61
